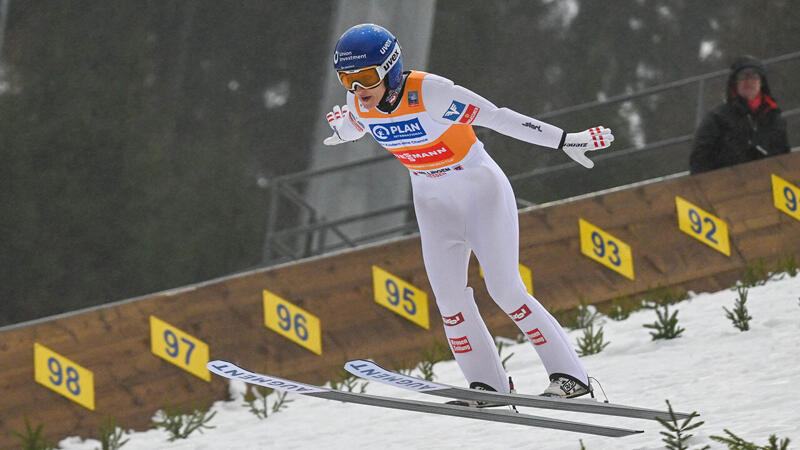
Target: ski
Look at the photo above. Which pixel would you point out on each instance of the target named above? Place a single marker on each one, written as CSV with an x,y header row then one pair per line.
x,y
234,372
371,371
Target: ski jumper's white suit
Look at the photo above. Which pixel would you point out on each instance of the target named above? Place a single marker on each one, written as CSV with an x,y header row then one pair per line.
x,y
464,203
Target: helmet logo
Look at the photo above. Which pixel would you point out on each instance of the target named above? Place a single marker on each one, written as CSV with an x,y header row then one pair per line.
x,y
336,57
391,59
386,46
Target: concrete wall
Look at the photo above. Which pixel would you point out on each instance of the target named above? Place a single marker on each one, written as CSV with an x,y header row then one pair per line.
x,y
131,383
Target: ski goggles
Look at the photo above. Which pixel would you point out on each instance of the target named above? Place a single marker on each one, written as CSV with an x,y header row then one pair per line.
x,y
368,77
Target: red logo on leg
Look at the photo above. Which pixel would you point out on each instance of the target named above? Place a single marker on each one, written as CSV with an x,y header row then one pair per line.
x,y
521,313
460,345
536,337
453,320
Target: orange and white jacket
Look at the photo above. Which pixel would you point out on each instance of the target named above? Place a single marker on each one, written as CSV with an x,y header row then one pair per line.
x,y
431,127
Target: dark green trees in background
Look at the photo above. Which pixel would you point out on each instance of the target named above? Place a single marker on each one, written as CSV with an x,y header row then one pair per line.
x,y
133,136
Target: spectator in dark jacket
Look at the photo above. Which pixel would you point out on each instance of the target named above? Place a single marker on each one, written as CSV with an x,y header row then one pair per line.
x,y
747,127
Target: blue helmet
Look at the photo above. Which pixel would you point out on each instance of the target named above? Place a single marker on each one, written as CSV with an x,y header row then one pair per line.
x,y
368,45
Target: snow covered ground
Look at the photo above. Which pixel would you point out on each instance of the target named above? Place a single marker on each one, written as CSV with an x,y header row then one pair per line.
x,y
743,381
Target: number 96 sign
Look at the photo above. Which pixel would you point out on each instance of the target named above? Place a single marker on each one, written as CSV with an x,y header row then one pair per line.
x,y
292,322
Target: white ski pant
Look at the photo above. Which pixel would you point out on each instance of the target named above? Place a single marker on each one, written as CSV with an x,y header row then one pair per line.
x,y
473,209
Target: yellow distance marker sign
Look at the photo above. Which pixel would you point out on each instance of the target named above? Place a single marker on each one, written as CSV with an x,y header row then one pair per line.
x,y
179,348
400,297
58,373
785,196
606,249
703,226
524,272
292,322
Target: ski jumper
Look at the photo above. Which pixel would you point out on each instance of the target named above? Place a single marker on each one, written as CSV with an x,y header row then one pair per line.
x,y
464,203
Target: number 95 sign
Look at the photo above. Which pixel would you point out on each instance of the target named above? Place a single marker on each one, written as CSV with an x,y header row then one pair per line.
x,y
400,297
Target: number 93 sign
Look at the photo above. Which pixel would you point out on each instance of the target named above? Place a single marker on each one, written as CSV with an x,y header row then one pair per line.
x,y
606,249
292,322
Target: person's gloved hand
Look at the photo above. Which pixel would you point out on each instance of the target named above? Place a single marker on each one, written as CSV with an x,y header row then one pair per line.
x,y
577,144
343,130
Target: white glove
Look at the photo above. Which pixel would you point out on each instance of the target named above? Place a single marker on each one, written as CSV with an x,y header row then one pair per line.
x,y
577,144
343,130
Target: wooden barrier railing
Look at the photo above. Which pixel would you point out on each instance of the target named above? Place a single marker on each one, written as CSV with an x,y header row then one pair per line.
x,y
304,320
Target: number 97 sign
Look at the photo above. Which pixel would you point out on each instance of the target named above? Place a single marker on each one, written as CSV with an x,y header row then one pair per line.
x,y
292,322
179,348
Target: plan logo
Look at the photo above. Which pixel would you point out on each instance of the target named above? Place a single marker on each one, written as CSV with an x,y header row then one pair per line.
x,y
397,131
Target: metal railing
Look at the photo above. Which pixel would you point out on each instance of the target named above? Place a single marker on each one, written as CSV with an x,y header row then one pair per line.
x,y
298,240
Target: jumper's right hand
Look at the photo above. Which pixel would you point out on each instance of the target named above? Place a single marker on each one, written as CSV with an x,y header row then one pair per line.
x,y
336,122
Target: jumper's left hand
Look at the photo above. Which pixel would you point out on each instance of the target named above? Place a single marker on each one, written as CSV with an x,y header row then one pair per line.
x,y
577,144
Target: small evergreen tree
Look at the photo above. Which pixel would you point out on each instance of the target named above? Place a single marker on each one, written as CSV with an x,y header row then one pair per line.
x,y
592,342
180,425
677,437
739,316
33,439
734,442
111,435
666,326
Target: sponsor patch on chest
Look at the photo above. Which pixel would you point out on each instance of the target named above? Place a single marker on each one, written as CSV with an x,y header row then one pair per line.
x,y
397,131
434,153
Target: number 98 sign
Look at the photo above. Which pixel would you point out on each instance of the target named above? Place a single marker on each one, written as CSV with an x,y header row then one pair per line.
x,y
63,376
400,297
292,322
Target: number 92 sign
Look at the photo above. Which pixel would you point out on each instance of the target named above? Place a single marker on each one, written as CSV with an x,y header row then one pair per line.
x,y
703,226
292,322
